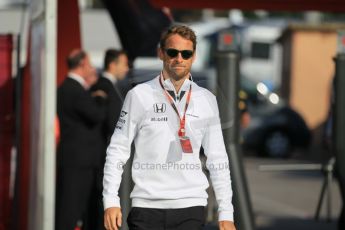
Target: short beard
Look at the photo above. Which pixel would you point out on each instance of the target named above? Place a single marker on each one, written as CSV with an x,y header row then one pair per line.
x,y
176,76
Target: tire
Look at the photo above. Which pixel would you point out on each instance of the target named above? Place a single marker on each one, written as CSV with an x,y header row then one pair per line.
x,y
277,144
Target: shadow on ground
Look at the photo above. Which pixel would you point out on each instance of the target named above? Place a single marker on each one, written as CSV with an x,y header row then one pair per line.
x,y
298,224
291,224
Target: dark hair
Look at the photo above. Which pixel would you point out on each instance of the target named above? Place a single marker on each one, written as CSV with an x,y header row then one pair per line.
x,y
73,60
183,31
112,55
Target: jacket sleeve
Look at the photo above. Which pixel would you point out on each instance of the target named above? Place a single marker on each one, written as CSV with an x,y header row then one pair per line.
x,y
91,109
119,148
114,110
218,164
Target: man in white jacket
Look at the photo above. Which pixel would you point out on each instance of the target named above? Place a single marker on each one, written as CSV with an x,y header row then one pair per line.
x,y
169,118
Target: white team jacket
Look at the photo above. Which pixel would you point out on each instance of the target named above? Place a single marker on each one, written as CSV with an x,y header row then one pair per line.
x,y
164,176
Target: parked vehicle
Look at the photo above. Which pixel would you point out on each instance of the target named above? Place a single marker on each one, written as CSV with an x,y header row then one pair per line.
x,y
275,129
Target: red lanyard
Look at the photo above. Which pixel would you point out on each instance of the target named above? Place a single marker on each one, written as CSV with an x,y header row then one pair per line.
x,y
181,131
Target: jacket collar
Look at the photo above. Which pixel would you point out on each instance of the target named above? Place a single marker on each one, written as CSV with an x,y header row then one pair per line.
x,y
79,79
110,77
168,85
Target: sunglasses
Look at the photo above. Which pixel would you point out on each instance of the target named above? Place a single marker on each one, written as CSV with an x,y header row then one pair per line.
x,y
186,54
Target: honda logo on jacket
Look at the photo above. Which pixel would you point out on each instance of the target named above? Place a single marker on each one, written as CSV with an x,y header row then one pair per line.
x,y
159,107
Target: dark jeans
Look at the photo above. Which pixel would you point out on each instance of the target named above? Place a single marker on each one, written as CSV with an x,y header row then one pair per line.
x,y
191,218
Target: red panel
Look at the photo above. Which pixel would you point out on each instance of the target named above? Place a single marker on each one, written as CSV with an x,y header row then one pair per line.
x,y
6,127
274,5
68,34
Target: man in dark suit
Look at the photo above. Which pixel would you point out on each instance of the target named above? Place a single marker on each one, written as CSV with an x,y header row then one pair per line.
x,y
79,152
115,69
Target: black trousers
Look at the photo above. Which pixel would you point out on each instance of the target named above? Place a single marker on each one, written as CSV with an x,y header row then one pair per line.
x,y
192,218
78,199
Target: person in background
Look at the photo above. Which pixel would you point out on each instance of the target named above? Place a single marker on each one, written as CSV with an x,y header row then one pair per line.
x,y
79,149
243,107
115,70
